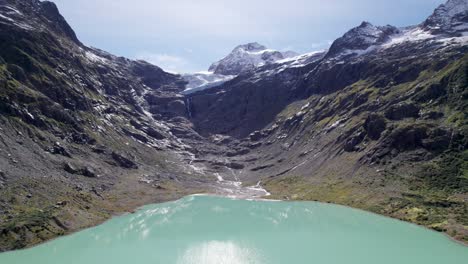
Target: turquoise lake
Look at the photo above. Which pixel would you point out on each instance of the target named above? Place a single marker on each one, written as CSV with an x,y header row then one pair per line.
x,y
216,230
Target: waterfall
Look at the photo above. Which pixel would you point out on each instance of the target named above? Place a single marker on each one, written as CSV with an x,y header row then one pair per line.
x,y
188,105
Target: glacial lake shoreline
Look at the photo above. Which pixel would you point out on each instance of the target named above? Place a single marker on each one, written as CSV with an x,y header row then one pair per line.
x,y
251,202
264,199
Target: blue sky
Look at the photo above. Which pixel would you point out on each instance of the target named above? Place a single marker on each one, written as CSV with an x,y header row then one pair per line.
x,y
188,35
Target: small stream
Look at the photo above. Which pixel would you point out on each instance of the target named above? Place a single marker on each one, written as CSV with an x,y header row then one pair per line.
x,y
235,189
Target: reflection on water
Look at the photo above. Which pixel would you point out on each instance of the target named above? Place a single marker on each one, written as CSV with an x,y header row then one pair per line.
x,y
219,252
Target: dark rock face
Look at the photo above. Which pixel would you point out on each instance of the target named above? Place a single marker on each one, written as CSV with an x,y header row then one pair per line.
x,y
57,21
178,107
58,149
408,137
432,92
415,137
124,161
34,13
374,126
136,135
167,105
401,111
242,108
153,132
231,165
80,170
70,168
257,135
153,76
438,140
354,140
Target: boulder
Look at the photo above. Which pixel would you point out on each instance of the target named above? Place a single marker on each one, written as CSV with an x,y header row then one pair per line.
x,y
70,168
124,161
353,141
401,111
235,166
100,149
408,137
438,140
82,138
80,170
374,126
256,135
88,172
58,149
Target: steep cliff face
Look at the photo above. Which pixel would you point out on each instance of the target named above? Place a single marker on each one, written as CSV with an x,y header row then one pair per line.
x,y
37,16
83,134
378,122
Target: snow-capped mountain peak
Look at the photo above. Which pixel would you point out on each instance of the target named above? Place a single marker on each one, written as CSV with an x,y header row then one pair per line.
x,y
449,18
242,58
250,47
247,57
452,8
448,25
361,38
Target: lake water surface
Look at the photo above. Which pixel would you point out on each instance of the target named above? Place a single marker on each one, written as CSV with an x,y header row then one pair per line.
x,y
215,230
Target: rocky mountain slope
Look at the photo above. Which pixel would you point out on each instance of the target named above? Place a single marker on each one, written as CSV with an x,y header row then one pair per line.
x,y
83,134
377,122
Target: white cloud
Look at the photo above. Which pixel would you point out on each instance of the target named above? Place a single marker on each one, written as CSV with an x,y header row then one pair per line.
x,y
166,62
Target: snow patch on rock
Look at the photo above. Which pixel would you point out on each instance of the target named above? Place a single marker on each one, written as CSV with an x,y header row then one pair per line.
x,y
203,80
